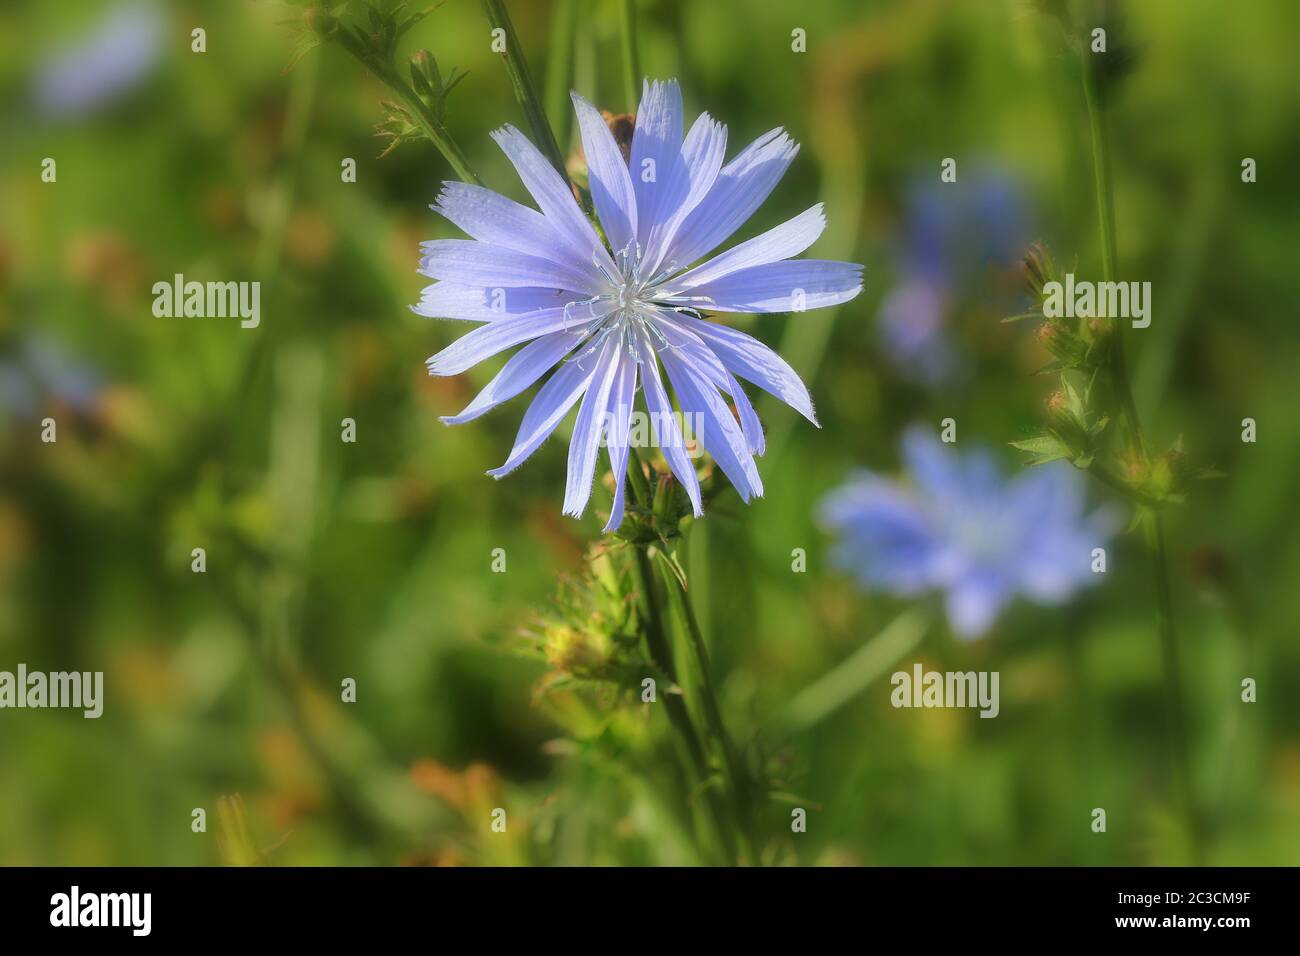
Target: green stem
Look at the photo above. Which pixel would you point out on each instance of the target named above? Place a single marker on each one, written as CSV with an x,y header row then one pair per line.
x,y
1174,705
1110,480
631,63
559,68
856,673
678,715
636,475
1106,224
525,89
1118,367
737,778
434,130
661,654
419,110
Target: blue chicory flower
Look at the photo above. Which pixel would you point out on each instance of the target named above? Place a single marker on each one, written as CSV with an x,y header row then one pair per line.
x,y
606,316
961,529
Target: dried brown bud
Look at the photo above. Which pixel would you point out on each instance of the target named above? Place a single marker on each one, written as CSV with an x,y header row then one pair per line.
x,y
622,125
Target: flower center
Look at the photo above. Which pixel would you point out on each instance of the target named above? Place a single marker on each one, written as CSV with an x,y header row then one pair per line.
x,y
628,304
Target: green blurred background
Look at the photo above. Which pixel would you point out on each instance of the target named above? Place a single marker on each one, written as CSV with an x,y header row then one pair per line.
x,y
371,560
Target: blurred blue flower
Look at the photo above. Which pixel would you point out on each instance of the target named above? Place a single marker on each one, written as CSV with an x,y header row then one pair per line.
x,y
117,56
912,319
606,317
954,231
959,527
40,373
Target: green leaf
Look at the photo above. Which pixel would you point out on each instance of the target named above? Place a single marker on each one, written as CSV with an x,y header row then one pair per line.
x,y
1092,380
1073,401
1142,516
1054,366
1043,449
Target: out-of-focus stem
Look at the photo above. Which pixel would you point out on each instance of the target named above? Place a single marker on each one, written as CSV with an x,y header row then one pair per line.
x,y
631,62
855,673
1106,223
559,68
839,152
1173,677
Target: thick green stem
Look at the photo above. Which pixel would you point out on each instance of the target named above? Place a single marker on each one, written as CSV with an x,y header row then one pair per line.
x,y
738,783
1118,368
1106,222
525,89
636,475
661,654
631,63
678,715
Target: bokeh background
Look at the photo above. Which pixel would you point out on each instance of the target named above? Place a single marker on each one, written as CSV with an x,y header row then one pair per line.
x,y
371,560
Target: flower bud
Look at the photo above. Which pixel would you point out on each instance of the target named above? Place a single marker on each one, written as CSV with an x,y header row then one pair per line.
x,y
1136,471
1095,331
582,652
1169,474
320,21
667,510
622,126
1059,338
1068,424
